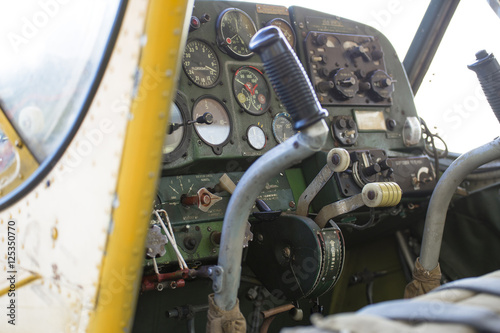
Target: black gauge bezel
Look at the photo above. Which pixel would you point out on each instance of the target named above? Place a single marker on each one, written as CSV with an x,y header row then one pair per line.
x,y
181,149
219,72
273,124
221,42
267,87
248,137
289,25
217,149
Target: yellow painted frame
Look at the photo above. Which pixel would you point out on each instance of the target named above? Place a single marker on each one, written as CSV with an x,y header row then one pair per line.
x,y
29,164
166,31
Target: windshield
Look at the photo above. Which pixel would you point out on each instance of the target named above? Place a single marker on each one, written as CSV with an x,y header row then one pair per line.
x,y
51,51
450,98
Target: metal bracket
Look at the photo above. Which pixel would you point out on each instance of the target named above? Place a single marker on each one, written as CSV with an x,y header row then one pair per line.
x,y
216,274
337,160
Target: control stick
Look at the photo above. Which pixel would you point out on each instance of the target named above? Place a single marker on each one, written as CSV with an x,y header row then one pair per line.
x,y
295,91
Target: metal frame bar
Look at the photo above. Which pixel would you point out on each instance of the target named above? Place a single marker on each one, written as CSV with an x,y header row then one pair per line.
x,y
427,40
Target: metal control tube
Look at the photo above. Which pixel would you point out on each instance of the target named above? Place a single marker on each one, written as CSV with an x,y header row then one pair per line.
x,y
441,197
295,91
240,205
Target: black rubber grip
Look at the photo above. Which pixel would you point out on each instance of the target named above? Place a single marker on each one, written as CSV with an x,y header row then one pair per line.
x,y
288,77
488,72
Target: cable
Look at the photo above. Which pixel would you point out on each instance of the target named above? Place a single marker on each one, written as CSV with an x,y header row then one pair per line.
x,y
155,265
429,141
370,223
170,235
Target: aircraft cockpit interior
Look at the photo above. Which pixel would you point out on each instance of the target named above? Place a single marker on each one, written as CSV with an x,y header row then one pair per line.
x,y
235,166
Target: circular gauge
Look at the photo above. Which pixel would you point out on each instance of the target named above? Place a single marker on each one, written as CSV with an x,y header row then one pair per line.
x,y
251,90
178,134
256,137
283,127
200,64
285,28
234,31
175,130
216,133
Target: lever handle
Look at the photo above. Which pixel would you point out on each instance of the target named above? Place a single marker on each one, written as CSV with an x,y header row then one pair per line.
x,y
288,77
488,73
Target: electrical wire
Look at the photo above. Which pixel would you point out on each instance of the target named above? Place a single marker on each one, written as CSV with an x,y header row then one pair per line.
x,y
170,235
155,265
371,222
430,146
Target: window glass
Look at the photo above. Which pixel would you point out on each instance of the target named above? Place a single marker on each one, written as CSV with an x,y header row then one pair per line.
x,y
450,98
51,51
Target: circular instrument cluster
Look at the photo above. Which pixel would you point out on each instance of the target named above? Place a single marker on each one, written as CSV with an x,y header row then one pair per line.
x,y
210,117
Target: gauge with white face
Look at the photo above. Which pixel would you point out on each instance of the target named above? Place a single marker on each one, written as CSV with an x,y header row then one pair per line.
x,y
175,133
215,134
256,137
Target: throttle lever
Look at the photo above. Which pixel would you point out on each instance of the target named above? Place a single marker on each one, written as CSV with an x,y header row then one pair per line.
x,y
288,77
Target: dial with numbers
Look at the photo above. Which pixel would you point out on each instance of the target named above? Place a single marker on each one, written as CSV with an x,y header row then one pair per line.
x,y
235,29
285,28
216,132
283,127
251,90
201,64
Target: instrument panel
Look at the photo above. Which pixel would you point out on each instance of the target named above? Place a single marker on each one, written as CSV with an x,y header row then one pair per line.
x,y
226,113
353,69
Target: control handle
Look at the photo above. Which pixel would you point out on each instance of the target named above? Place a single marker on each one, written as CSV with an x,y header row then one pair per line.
x,y
488,73
287,76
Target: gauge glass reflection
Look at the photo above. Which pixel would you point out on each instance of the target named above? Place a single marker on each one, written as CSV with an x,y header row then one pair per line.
x,y
256,137
283,127
201,64
218,131
251,90
235,29
286,29
174,133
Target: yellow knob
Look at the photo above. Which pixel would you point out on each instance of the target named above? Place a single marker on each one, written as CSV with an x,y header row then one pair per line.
x,y
384,194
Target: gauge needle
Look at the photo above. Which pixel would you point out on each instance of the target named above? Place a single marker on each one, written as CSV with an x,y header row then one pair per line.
x,y
248,85
253,90
209,68
240,82
230,39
